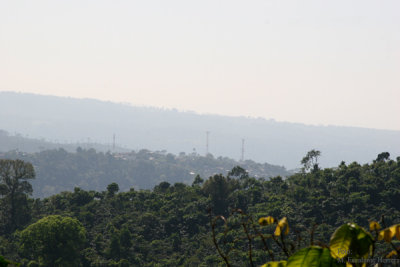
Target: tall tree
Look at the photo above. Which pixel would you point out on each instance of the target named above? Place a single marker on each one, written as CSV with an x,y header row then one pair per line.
x,y
311,160
14,189
218,188
383,156
54,241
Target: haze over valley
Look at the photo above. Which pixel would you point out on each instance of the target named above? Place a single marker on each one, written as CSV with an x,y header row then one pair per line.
x,y
69,120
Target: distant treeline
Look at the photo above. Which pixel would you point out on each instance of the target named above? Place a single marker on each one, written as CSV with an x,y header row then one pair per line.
x,y
58,170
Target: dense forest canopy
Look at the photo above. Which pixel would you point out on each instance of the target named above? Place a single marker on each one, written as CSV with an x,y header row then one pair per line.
x,y
170,225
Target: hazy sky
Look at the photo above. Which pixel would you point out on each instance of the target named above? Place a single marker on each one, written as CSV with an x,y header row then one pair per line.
x,y
317,62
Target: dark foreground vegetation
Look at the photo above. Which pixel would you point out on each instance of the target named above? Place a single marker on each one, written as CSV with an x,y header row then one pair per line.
x,y
176,225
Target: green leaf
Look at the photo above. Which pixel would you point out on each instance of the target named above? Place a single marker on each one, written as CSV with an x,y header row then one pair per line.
x,y
275,264
341,241
363,246
350,240
313,257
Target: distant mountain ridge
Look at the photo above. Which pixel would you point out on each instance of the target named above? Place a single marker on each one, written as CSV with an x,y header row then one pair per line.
x,y
280,143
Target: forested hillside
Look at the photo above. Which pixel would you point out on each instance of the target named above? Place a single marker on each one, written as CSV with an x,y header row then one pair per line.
x,y
170,225
58,170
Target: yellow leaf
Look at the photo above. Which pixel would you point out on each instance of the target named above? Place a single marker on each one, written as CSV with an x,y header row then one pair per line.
x,y
283,223
277,231
266,220
386,235
287,230
395,230
391,254
374,226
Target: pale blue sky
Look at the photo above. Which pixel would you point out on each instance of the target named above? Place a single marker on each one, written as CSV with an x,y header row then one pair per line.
x,y
316,62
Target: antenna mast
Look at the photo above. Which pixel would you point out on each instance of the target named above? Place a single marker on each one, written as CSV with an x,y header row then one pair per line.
x,y
113,142
207,134
242,158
